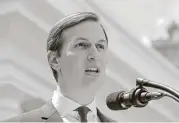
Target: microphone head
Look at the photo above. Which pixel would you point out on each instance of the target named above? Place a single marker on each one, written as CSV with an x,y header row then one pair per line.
x,y
113,101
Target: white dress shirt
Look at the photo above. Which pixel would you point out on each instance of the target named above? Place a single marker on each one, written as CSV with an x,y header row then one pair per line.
x,y
66,107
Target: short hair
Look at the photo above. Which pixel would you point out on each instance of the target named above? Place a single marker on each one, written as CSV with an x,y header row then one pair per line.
x,y
55,41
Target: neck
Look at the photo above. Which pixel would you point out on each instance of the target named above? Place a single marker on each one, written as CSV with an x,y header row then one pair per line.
x,y
80,96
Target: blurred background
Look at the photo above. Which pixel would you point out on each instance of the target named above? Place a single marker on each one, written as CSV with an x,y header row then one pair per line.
x,y
143,42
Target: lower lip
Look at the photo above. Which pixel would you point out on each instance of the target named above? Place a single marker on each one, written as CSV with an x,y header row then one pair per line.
x,y
92,73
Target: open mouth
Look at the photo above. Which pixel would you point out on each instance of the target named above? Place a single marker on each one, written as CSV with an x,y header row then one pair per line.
x,y
92,71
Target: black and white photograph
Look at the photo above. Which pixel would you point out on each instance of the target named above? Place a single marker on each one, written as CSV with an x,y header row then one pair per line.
x,y
89,61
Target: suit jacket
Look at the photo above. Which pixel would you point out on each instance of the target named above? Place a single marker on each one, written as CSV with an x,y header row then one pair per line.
x,y
48,113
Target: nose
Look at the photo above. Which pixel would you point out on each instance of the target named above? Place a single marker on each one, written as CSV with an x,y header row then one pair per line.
x,y
93,54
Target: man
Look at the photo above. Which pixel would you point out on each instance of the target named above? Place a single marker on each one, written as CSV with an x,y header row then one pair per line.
x,y
77,53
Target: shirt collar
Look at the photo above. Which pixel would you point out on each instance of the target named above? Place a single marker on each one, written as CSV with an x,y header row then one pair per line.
x,y
65,105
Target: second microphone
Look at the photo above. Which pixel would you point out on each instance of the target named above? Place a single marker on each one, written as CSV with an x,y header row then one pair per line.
x,y
138,97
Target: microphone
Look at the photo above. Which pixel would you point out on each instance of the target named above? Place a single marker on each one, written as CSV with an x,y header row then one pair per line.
x,y
138,97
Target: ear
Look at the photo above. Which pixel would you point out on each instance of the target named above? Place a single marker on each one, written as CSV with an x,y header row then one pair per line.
x,y
54,60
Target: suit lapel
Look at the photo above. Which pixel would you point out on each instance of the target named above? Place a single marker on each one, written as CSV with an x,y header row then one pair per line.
x,y
50,114
103,118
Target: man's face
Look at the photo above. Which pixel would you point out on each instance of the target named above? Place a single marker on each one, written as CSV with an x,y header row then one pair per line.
x,y
83,58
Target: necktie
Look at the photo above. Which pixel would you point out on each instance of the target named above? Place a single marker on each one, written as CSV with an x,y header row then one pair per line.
x,y
82,111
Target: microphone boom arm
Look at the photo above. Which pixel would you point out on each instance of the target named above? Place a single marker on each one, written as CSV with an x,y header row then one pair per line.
x,y
148,83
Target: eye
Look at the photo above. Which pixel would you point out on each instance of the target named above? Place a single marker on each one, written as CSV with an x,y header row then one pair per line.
x,y
100,46
81,44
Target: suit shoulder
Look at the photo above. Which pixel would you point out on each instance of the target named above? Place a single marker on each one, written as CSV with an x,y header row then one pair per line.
x,y
27,117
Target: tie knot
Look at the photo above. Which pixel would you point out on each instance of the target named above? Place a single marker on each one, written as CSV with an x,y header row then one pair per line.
x,y
82,111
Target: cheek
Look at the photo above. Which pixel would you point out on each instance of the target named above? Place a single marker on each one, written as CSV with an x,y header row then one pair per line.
x,y
104,62
72,63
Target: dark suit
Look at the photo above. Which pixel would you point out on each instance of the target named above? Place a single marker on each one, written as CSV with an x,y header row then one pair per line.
x,y
48,113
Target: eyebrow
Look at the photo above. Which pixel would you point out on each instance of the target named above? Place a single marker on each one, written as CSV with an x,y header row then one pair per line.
x,y
81,38
102,40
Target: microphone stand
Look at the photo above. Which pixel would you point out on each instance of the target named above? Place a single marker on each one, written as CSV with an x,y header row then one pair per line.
x,y
147,83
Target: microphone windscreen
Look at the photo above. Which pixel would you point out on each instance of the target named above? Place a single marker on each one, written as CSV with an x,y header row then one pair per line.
x,y
113,101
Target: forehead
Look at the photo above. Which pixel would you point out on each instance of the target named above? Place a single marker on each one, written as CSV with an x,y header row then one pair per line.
x,y
90,30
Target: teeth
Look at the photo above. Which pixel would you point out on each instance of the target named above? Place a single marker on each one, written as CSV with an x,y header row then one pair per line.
x,y
92,69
